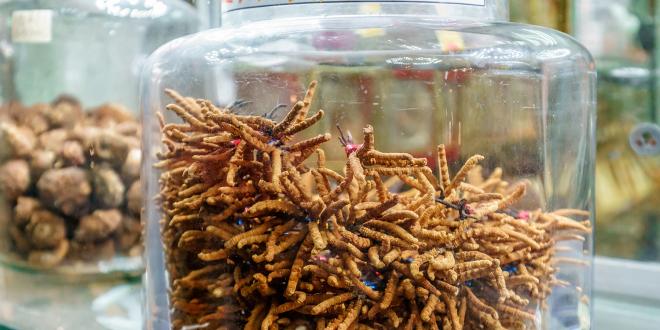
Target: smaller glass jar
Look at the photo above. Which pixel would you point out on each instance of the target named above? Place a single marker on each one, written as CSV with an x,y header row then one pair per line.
x,y
70,194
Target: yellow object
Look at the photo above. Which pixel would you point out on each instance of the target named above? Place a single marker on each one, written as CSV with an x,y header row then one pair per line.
x,y
371,33
370,8
450,40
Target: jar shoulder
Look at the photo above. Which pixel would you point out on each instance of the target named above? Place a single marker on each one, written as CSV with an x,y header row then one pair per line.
x,y
363,34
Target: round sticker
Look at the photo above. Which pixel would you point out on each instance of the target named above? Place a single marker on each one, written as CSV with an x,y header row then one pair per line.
x,y
645,139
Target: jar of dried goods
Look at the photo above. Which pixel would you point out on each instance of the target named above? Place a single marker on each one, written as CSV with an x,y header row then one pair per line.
x,y
369,165
70,195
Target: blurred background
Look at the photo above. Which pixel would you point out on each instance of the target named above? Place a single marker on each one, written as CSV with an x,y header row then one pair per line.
x,y
621,35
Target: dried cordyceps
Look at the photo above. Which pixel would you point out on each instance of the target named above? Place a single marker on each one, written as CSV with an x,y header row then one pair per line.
x,y
256,236
65,174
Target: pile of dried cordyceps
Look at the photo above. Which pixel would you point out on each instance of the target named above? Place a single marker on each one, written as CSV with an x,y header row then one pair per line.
x,y
71,180
257,237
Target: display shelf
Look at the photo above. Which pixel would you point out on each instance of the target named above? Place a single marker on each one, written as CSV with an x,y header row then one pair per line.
x,y
613,312
37,301
627,294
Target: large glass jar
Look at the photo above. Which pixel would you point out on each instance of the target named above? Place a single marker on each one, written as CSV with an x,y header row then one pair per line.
x,y
369,165
70,195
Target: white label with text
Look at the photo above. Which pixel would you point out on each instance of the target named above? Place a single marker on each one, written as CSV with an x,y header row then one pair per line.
x,y
32,26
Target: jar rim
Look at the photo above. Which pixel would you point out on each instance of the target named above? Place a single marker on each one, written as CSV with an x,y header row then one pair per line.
x,y
233,5
238,12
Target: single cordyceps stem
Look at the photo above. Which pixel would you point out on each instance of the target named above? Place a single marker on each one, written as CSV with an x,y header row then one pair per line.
x,y
299,243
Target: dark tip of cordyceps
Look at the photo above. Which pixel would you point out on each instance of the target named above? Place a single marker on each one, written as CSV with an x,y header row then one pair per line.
x,y
271,114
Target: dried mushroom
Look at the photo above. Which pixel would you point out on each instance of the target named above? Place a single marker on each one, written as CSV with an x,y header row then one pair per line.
x,y
72,153
49,258
67,190
134,198
108,187
98,226
15,141
41,161
65,174
65,111
14,178
128,234
25,207
130,170
45,229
